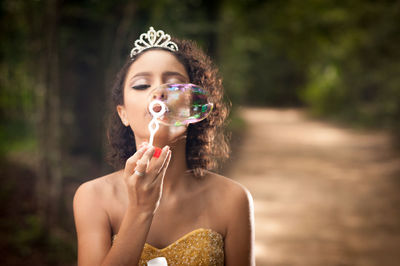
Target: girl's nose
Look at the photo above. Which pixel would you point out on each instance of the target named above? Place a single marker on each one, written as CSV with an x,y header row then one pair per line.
x,y
157,99
159,94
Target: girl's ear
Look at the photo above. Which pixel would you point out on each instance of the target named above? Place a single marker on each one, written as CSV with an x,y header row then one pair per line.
x,y
122,115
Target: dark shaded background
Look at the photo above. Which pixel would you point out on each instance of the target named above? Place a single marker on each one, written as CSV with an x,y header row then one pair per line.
x,y
338,59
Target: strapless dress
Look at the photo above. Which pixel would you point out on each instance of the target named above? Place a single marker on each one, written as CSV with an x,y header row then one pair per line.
x,y
198,247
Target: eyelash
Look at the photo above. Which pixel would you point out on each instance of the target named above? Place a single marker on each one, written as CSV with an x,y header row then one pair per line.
x,y
141,87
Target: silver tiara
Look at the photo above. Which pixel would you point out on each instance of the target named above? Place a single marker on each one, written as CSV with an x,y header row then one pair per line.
x,y
153,39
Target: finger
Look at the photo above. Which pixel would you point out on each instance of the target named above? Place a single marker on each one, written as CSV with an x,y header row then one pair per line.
x,y
142,164
131,162
164,167
143,144
160,172
165,160
158,162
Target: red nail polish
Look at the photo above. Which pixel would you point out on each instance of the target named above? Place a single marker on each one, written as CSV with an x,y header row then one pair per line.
x,y
157,152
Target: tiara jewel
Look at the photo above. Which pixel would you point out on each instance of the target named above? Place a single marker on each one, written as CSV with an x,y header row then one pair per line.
x,y
153,39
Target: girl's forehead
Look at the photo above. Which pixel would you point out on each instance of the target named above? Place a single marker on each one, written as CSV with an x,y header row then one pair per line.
x,y
156,61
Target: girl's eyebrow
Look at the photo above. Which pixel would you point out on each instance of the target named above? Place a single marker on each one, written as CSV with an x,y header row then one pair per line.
x,y
141,74
165,74
173,73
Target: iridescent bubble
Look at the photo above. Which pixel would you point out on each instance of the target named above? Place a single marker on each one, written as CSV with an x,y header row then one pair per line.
x,y
179,104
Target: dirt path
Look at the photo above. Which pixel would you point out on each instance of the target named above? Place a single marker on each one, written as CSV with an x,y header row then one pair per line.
x,y
323,195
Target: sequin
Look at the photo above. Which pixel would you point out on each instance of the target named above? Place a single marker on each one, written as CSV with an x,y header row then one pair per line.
x,y
199,247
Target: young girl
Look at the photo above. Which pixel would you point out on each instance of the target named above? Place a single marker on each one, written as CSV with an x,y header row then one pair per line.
x,y
169,206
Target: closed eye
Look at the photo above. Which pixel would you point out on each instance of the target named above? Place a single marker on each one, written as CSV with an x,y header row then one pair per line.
x,y
175,80
141,87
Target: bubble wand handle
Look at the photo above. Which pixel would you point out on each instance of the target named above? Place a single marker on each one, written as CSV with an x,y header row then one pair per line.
x,y
153,128
154,125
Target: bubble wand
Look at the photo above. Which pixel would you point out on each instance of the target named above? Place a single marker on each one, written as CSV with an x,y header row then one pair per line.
x,y
154,125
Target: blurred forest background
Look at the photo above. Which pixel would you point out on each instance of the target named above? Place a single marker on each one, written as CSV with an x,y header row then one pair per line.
x,y
339,59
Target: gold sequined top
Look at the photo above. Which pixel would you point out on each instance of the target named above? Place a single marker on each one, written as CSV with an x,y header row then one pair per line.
x,y
199,247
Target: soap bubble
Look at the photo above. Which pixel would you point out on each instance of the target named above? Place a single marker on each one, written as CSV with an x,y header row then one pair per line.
x,y
179,104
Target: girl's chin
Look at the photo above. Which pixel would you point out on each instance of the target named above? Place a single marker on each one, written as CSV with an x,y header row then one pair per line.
x,y
165,135
170,140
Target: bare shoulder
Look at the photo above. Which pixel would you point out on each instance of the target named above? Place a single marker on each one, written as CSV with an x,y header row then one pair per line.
x,y
98,189
229,199
91,205
230,190
236,213
92,220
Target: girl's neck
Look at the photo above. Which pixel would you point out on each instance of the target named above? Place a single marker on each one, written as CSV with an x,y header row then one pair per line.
x,y
174,179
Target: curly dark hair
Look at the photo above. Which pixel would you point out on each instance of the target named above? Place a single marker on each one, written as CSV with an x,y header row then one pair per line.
x,y
206,143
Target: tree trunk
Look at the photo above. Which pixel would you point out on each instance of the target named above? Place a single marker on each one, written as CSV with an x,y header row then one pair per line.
x,y
49,181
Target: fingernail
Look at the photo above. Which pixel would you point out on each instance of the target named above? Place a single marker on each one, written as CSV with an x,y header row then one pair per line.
x,y
166,148
157,152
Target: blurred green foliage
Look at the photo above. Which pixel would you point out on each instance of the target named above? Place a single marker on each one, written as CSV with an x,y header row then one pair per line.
x,y
339,58
356,77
